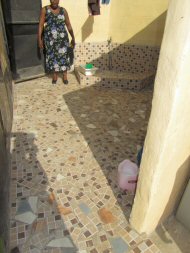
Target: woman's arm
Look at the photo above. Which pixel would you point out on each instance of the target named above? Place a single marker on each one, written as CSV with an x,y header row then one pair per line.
x,y
69,28
41,28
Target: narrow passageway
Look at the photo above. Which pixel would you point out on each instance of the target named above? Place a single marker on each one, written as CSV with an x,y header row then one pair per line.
x,y
66,144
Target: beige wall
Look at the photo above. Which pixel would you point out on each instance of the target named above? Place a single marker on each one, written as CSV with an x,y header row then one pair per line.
x,y
138,22
135,22
86,29
165,164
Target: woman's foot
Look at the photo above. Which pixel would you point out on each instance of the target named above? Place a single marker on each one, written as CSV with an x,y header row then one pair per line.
x,y
54,81
65,81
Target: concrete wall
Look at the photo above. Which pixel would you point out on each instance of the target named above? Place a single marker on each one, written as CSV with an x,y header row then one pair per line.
x,y
86,28
166,165
5,128
138,22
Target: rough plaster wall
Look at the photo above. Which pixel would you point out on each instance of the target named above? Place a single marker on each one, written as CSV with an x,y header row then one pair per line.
x,y
5,128
167,146
138,22
86,29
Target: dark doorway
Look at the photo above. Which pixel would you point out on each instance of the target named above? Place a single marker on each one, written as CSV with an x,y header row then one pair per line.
x,y
21,25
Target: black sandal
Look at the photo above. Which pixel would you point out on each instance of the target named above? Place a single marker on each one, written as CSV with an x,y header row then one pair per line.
x,y
54,81
65,82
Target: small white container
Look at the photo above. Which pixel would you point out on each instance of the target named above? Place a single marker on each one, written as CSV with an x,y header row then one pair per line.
x,y
87,72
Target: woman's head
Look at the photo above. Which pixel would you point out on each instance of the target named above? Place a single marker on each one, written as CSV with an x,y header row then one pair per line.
x,y
54,4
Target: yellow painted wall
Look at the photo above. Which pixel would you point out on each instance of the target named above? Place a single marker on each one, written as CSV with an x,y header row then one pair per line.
x,y
135,22
86,29
138,21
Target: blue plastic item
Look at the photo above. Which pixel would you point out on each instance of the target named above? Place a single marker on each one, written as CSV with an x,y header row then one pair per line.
x,y
139,156
105,1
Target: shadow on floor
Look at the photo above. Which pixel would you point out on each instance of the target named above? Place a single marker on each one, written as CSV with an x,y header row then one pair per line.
x,y
36,212
113,123
171,234
172,237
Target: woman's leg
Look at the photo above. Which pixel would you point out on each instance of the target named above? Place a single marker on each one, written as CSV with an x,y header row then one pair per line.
x,y
65,81
54,76
65,75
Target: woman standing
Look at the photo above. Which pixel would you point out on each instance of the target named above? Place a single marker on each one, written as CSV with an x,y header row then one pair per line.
x,y
55,38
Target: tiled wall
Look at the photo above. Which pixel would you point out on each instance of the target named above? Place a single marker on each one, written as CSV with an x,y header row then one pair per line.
x,y
92,52
119,57
134,59
120,65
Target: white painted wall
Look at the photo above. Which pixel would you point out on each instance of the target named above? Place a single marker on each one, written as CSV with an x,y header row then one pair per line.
x,y
165,164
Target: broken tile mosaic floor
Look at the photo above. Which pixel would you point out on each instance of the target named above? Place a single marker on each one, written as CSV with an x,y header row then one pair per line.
x,y
66,144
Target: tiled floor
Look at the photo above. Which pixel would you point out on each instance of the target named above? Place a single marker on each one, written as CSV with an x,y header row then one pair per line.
x,y
67,142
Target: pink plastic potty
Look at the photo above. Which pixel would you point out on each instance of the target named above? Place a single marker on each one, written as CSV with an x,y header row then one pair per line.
x,y
128,175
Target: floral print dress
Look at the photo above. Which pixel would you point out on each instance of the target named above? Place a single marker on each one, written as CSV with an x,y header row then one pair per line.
x,y
56,41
